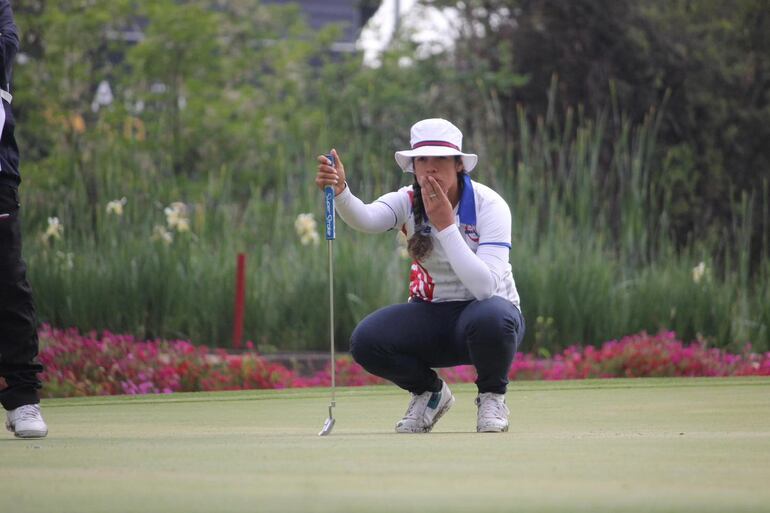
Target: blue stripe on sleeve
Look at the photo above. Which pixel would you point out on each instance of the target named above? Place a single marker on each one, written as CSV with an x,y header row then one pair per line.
x,y
503,244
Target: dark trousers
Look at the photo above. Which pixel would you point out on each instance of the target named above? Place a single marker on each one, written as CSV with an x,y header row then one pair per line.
x,y
403,343
18,325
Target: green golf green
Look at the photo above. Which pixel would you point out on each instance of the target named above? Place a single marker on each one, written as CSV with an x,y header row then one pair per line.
x,y
652,445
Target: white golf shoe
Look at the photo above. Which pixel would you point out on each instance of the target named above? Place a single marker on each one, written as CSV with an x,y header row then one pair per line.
x,y
424,411
26,422
493,413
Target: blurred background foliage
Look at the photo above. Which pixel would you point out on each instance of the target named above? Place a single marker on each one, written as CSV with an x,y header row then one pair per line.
x,y
629,138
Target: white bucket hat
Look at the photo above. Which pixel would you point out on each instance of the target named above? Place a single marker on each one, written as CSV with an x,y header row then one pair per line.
x,y
435,138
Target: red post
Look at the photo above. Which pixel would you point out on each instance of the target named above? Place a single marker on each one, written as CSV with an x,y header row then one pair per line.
x,y
240,294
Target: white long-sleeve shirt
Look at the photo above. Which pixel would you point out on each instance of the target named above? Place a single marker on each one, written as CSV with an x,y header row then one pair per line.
x,y
469,259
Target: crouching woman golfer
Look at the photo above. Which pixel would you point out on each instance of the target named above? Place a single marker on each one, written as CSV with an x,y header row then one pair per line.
x,y
463,305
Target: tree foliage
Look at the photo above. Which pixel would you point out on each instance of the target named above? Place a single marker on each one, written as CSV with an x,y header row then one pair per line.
x,y
705,63
200,84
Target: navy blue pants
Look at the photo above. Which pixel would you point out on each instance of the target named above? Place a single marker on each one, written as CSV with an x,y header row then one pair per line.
x,y
403,343
18,324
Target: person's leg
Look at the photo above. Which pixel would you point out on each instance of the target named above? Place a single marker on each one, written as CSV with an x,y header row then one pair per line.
x,y
18,326
402,342
490,331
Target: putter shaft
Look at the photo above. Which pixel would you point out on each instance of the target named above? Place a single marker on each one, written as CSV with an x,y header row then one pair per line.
x,y
329,424
330,235
331,320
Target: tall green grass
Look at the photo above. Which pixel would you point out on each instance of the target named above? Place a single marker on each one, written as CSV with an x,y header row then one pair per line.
x,y
591,253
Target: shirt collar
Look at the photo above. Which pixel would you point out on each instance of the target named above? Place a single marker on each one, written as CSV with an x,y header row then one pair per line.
x,y
467,207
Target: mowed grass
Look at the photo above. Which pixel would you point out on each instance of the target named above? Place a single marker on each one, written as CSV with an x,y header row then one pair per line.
x,y
612,445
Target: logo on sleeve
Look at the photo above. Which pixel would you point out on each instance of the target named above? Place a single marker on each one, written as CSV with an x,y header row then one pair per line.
x,y
470,231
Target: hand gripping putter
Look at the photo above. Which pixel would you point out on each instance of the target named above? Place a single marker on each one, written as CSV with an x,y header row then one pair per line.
x,y
329,205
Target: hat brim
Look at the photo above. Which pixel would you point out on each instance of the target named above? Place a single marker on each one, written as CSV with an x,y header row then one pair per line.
x,y
404,158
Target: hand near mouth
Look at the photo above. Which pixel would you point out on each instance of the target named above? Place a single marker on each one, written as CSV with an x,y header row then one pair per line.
x,y
437,204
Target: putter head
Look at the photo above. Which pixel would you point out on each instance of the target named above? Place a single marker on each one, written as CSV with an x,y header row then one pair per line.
x,y
328,426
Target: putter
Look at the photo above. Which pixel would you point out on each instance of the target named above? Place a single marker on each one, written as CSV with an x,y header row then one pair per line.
x,y
329,203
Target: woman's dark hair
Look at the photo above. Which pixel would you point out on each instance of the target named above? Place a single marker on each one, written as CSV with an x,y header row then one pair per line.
x,y
420,245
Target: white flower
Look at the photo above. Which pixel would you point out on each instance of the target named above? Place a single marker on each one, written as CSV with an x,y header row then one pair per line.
x,y
183,225
305,227
116,206
160,233
304,223
310,238
54,230
176,217
699,272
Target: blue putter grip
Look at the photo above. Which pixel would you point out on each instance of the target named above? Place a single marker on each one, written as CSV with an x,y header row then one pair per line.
x,y
329,204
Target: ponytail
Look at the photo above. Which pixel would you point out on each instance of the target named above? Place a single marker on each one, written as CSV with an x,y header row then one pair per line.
x,y
420,244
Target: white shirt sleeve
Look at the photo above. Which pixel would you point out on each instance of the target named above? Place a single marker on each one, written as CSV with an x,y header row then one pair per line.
x,y
481,272
385,213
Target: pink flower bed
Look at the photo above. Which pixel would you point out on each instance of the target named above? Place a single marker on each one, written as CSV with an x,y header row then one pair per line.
x,y
80,365
634,356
